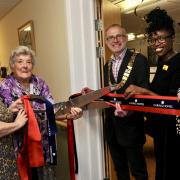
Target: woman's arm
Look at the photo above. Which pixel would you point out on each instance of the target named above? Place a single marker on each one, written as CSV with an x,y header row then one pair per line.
x,y
8,128
132,90
75,113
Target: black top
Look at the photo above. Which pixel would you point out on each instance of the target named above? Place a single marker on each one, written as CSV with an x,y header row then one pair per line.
x,y
165,83
167,78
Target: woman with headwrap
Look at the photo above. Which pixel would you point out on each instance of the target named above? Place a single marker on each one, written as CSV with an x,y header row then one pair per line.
x,y
161,34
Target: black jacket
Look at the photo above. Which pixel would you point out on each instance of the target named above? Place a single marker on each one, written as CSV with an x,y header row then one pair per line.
x,y
130,129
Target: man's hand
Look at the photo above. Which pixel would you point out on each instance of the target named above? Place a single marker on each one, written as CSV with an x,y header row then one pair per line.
x,y
119,112
86,90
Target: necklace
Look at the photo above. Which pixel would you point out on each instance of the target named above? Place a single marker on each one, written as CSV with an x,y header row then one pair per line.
x,y
27,90
126,72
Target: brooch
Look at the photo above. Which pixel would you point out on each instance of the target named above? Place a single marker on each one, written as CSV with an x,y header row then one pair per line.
x,y
165,67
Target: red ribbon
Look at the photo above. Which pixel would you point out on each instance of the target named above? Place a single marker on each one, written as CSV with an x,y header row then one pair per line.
x,y
71,150
144,108
31,153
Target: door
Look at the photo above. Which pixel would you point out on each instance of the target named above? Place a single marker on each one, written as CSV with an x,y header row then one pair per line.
x,y
107,14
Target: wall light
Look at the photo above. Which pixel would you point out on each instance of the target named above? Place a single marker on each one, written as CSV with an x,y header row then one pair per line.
x,y
131,36
140,36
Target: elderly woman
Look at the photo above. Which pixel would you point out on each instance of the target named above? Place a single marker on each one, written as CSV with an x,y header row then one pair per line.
x,y
23,82
8,168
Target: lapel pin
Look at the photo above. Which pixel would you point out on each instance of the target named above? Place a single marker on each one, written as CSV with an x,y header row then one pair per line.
x,y
165,67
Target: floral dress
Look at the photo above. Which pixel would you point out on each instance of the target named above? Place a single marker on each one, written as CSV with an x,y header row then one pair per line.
x,y
10,90
8,168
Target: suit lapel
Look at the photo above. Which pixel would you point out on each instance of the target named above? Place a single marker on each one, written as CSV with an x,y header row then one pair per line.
x,y
112,76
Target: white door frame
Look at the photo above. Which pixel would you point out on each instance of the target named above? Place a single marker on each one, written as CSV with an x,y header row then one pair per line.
x,y
84,71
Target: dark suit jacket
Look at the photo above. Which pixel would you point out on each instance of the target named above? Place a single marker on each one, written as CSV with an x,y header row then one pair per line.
x,y
130,129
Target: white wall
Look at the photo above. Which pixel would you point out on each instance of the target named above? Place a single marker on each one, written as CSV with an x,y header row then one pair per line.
x,y
50,38
140,45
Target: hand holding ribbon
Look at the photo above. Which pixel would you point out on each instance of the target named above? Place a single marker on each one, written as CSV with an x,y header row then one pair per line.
x,y
133,90
119,111
178,94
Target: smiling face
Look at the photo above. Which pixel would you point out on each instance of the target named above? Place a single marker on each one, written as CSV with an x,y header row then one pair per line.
x,y
116,39
22,68
162,43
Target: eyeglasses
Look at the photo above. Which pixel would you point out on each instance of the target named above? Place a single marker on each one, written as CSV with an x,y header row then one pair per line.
x,y
160,39
117,37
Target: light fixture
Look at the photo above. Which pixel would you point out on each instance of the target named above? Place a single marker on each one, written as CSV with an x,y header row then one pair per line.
x,y
140,36
127,6
131,36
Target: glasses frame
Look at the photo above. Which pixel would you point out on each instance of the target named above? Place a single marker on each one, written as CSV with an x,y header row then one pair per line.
x,y
118,37
153,40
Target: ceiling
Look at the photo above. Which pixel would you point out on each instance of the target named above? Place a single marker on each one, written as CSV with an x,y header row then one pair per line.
x,y
6,6
132,23
136,24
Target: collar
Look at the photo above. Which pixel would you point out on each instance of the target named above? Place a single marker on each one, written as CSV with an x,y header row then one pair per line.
x,y
120,57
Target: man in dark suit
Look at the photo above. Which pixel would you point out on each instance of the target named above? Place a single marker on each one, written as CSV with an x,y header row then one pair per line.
x,y
124,130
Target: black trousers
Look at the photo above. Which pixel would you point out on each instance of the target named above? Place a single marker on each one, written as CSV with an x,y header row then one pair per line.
x,y
128,159
167,152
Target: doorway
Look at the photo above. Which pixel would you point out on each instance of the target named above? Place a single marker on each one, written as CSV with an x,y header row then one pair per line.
x,y
107,13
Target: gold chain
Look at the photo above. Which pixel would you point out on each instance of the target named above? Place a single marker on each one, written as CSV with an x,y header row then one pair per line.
x,y
126,72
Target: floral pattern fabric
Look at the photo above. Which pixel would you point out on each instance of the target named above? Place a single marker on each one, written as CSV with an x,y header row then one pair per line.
x,y
8,168
10,90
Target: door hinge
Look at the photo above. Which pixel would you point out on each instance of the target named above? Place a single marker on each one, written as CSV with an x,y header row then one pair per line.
x,y
98,25
99,52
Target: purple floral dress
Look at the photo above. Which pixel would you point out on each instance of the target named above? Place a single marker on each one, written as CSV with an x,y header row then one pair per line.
x,y
10,90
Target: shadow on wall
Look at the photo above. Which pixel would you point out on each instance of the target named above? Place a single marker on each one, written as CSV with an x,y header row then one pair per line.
x,y
3,72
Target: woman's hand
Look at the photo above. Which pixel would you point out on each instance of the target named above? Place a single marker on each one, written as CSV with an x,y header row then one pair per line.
x,y
16,106
8,128
133,89
76,113
21,119
178,95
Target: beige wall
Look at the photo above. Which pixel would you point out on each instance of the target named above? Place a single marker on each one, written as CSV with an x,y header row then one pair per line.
x,y
50,38
139,45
